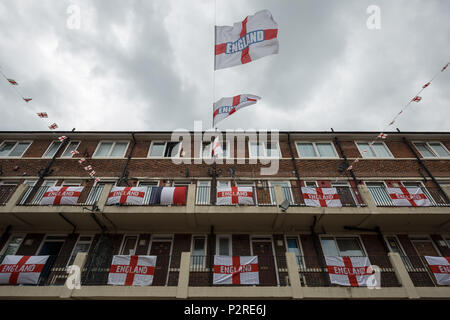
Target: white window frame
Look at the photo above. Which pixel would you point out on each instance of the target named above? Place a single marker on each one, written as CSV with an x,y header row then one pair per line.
x,y
316,150
272,183
373,150
15,145
3,250
264,147
112,148
225,155
430,148
422,238
315,182
203,264
49,147
67,146
208,182
225,236
81,241
123,243
52,240
297,237
165,149
344,236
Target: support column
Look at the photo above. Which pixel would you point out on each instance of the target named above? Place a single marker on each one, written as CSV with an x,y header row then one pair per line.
x,y
279,218
73,281
190,205
183,276
402,275
294,277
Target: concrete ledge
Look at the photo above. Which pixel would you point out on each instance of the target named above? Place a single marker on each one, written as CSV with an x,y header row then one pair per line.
x,y
434,292
240,292
30,292
124,292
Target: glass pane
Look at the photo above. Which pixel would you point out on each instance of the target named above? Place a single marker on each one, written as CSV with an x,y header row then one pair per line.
x,y
19,149
293,246
272,150
206,150
394,245
311,184
6,148
129,245
172,149
119,149
349,247
440,150
13,245
71,147
329,247
52,149
157,149
80,247
365,147
424,151
381,150
325,150
256,149
103,149
224,246
199,247
306,150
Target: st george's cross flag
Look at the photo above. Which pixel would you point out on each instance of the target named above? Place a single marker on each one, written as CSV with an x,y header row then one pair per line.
x,y
440,266
321,197
349,271
236,270
21,269
227,106
234,195
216,149
408,197
168,196
132,270
126,195
253,38
61,195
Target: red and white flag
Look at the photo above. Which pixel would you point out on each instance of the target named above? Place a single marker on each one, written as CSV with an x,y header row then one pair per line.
x,y
235,195
42,114
216,148
92,173
426,85
408,197
440,266
81,160
444,67
88,168
132,270
74,152
349,271
62,138
27,99
236,270
21,269
227,106
126,195
253,38
382,135
13,82
321,197
61,195
416,99
53,126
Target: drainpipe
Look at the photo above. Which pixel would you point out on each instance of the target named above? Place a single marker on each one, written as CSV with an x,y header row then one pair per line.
x,y
338,144
211,262
124,175
422,164
294,164
319,252
376,229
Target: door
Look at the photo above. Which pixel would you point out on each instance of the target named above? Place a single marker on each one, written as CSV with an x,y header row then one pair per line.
x,y
161,249
52,249
266,262
425,248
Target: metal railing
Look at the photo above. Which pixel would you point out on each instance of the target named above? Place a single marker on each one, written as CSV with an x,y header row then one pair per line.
x,y
150,198
419,271
32,197
382,198
262,196
5,193
346,195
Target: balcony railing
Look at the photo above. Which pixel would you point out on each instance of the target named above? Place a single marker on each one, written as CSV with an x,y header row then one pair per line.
x,y
382,199
262,196
33,197
347,196
149,198
419,271
5,193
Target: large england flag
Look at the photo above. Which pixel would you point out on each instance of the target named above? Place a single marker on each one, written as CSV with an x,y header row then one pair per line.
x,y
321,197
21,269
440,266
168,196
235,195
253,38
61,195
227,106
126,195
236,270
349,271
132,270
408,197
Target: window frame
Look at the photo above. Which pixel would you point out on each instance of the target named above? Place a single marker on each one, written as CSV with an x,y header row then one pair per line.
x,y
343,237
49,147
112,148
226,154
316,150
430,148
78,241
425,237
67,146
225,236
264,145
165,149
203,262
373,150
124,240
15,145
5,246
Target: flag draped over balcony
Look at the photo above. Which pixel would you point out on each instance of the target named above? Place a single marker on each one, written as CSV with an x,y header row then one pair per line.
x,y
132,270
126,195
349,271
61,195
235,195
321,197
408,197
440,266
168,195
22,269
236,270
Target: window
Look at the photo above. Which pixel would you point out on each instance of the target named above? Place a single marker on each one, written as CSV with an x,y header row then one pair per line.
x,y
311,184
166,149
46,184
379,193
13,148
316,150
129,245
285,188
13,245
72,146
198,251
207,152
394,245
373,150
345,246
223,246
70,183
264,150
110,149
52,149
223,184
432,149
149,185
294,247
83,245
203,192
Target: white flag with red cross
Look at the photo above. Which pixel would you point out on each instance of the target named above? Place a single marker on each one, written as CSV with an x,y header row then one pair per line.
x,y
235,195
216,148
227,106
321,197
253,38
21,269
349,271
132,270
61,195
440,266
236,270
126,195
408,197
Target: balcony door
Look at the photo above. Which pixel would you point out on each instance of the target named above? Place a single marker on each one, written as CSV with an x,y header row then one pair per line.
x,y
266,262
161,249
424,247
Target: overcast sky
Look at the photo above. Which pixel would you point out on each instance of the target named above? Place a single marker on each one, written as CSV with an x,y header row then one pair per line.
x,y
148,65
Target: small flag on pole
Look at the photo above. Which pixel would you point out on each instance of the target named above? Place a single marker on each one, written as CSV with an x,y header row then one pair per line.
x,y
53,126
416,99
42,114
27,99
426,85
13,82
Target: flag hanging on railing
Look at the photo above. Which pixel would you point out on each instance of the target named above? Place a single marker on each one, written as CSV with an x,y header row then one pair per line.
x,y
227,106
132,270
61,195
235,195
321,197
408,197
21,269
168,196
253,38
440,266
126,195
349,271
236,270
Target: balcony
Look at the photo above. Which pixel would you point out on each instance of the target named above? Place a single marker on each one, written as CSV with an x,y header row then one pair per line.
x,y
382,199
33,196
5,193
